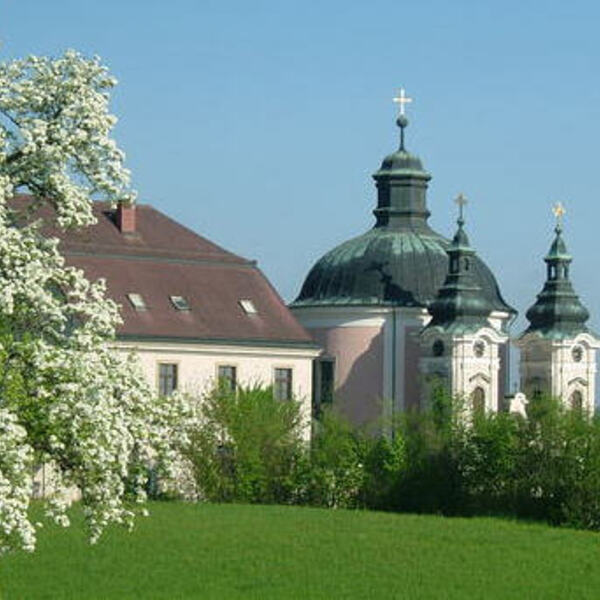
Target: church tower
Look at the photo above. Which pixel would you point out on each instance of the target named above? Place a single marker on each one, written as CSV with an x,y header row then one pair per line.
x,y
365,301
558,351
460,345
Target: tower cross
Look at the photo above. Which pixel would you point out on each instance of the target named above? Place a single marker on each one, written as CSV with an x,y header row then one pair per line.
x,y
402,99
461,201
559,210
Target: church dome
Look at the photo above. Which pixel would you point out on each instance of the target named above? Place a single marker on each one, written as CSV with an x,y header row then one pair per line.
x,y
401,261
402,161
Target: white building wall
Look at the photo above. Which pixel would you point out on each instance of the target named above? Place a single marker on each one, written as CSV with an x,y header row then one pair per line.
x,y
471,371
551,365
462,368
197,366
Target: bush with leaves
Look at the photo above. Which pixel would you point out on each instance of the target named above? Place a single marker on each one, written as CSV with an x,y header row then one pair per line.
x,y
487,452
557,472
248,446
337,470
385,465
431,481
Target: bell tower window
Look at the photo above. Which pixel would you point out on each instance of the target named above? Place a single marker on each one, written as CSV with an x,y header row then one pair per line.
x,y
478,400
576,400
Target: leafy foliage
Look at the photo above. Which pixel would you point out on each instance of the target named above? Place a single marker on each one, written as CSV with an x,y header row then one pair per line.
x,y
68,400
439,460
248,446
336,473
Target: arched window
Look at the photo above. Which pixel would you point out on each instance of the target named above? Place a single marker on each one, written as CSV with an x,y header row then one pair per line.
x,y
478,400
535,387
576,400
466,264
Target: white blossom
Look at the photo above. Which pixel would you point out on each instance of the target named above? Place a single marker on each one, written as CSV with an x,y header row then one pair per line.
x,y
67,398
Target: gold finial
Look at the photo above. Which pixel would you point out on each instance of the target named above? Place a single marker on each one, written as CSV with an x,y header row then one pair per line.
x,y
559,210
402,99
461,200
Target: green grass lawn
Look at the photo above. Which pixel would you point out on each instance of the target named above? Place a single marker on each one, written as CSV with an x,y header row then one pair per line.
x,y
229,551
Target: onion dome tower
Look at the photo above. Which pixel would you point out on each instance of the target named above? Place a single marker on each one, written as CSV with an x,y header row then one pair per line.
x,y
459,346
558,351
362,299
401,261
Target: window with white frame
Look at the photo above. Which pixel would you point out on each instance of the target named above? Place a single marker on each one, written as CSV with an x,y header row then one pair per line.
x,y
282,384
167,378
137,301
248,306
576,400
179,302
478,400
227,376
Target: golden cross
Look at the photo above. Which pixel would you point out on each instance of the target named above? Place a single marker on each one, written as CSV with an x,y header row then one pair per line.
x,y
461,200
402,99
559,210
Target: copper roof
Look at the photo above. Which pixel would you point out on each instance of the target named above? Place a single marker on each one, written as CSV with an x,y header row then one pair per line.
x,y
162,259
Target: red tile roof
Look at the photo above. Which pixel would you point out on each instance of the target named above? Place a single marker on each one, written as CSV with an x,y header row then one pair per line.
x,y
164,258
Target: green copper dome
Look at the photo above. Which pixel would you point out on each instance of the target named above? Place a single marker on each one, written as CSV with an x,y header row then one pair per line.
x,y
557,313
460,304
401,261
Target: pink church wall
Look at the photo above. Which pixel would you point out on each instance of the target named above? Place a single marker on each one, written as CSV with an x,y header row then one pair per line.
x,y
358,353
412,379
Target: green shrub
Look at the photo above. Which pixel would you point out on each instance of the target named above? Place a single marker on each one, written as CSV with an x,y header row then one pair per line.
x,y
336,465
487,453
431,480
385,467
558,466
249,447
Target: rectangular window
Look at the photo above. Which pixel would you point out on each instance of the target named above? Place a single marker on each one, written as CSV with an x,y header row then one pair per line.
x,y
248,306
327,381
137,301
179,302
323,383
282,385
167,378
227,377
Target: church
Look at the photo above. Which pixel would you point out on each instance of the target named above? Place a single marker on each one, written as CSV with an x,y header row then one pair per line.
x,y
378,319
400,306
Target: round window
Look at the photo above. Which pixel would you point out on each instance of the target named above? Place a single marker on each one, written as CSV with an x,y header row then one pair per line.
x,y
479,348
577,353
438,348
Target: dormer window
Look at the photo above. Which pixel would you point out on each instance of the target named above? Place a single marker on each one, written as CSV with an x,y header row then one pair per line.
x,y
248,306
137,301
179,302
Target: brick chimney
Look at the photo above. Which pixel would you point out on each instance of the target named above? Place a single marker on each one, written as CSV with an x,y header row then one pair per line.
x,y
125,217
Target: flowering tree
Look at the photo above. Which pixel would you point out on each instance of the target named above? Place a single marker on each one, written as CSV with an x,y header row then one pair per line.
x,y
67,399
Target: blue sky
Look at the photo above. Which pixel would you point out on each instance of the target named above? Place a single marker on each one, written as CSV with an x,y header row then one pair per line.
x,y
259,124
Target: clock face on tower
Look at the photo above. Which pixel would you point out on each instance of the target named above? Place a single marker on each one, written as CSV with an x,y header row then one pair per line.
x,y
438,348
577,353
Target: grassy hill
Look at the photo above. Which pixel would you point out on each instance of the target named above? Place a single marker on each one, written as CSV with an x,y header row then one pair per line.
x,y
260,552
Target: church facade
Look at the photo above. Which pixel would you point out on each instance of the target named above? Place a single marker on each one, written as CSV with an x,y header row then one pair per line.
x,y
400,305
